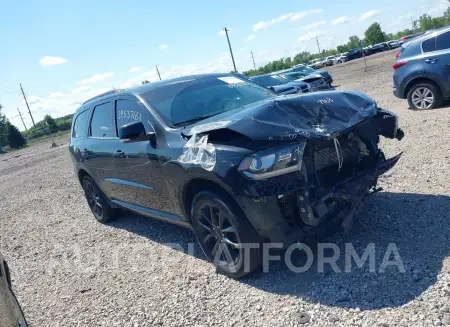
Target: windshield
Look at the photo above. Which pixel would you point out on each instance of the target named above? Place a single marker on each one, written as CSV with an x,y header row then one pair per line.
x,y
188,100
294,76
306,70
269,80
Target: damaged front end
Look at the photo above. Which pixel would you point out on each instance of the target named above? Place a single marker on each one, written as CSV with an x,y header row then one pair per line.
x,y
324,161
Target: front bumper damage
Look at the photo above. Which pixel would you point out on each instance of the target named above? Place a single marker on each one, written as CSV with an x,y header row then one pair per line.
x,y
341,161
288,218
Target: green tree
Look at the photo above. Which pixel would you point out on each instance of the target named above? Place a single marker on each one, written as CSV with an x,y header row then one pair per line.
x,y
3,131
374,34
355,42
14,137
51,123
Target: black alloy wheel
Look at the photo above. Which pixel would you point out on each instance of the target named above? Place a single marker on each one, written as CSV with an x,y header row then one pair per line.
x,y
219,235
222,231
96,201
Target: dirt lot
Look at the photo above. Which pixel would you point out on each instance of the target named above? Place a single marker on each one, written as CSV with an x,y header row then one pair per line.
x,y
69,270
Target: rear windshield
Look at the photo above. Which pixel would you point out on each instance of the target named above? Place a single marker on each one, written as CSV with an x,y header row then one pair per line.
x,y
269,80
187,100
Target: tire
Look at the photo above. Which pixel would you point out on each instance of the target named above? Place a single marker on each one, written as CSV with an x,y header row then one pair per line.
x,y
97,202
221,230
430,91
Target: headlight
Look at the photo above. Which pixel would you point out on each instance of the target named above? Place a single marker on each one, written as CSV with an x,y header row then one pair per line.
x,y
273,162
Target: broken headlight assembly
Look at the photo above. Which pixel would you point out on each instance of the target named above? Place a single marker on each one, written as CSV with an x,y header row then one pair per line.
x,y
273,162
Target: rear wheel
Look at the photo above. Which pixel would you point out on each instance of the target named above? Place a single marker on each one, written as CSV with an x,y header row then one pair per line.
x,y
424,96
100,208
225,235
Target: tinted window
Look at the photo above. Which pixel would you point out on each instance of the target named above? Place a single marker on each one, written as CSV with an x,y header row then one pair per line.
x,y
102,124
129,111
269,80
443,41
429,45
79,127
181,101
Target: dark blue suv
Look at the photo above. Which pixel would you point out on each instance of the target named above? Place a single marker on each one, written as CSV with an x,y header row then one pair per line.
x,y
422,70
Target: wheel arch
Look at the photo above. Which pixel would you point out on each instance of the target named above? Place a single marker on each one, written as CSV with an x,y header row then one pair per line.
x,y
420,79
81,174
197,184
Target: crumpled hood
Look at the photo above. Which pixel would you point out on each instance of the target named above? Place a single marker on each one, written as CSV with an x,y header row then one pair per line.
x,y
315,115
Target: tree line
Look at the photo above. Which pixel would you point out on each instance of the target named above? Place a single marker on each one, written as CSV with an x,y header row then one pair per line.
x,y
373,35
9,134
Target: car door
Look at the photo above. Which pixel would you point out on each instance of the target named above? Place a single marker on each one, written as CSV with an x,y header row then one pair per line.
x,y
98,150
436,58
139,180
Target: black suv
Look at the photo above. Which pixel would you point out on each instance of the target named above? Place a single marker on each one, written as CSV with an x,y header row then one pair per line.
x,y
231,159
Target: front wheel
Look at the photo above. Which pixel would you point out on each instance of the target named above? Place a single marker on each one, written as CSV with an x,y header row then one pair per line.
x,y
424,96
225,235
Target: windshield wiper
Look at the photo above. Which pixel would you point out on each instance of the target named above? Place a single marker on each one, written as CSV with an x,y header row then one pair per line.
x,y
193,120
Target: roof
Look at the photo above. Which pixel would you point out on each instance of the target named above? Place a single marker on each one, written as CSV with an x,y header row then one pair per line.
x,y
148,87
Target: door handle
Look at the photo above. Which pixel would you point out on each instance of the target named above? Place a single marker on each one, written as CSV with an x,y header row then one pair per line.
x,y
121,154
431,61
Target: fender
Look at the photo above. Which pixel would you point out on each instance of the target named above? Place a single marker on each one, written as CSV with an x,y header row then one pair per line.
x,y
422,75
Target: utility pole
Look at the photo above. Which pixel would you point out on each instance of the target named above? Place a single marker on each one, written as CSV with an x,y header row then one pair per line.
x,y
253,58
412,24
29,111
318,46
20,114
157,70
231,51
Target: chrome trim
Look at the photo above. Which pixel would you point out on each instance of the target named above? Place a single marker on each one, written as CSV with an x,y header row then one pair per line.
x,y
128,183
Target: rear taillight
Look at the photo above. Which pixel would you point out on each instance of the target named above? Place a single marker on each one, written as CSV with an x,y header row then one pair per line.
x,y
403,38
399,64
397,55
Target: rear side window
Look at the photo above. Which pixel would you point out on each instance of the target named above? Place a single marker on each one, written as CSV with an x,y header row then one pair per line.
x,y
443,41
80,125
102,123
429,45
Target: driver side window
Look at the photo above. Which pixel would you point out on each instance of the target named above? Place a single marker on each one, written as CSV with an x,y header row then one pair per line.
x,y
130,111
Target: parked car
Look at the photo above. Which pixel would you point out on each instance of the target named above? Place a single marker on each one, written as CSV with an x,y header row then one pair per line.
x,y
305,69
354,54
280,84
407,38
380,47
328,61
231,160
315,81
340,58
393,44
316,63
11,314
421,70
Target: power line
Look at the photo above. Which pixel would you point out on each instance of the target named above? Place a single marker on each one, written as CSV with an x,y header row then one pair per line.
x,y
231,51
157,70
253,58
29,111
20,114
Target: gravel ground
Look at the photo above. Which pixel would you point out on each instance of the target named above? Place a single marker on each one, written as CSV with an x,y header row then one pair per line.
x,y
69,270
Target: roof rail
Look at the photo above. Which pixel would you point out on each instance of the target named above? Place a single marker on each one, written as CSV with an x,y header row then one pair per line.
x,y
102,95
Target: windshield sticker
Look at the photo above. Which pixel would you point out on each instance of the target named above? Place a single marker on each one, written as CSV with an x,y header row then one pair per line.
x,y
129,114
231,80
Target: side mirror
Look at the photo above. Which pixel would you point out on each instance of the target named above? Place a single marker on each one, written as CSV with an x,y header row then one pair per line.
x,y
135,132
